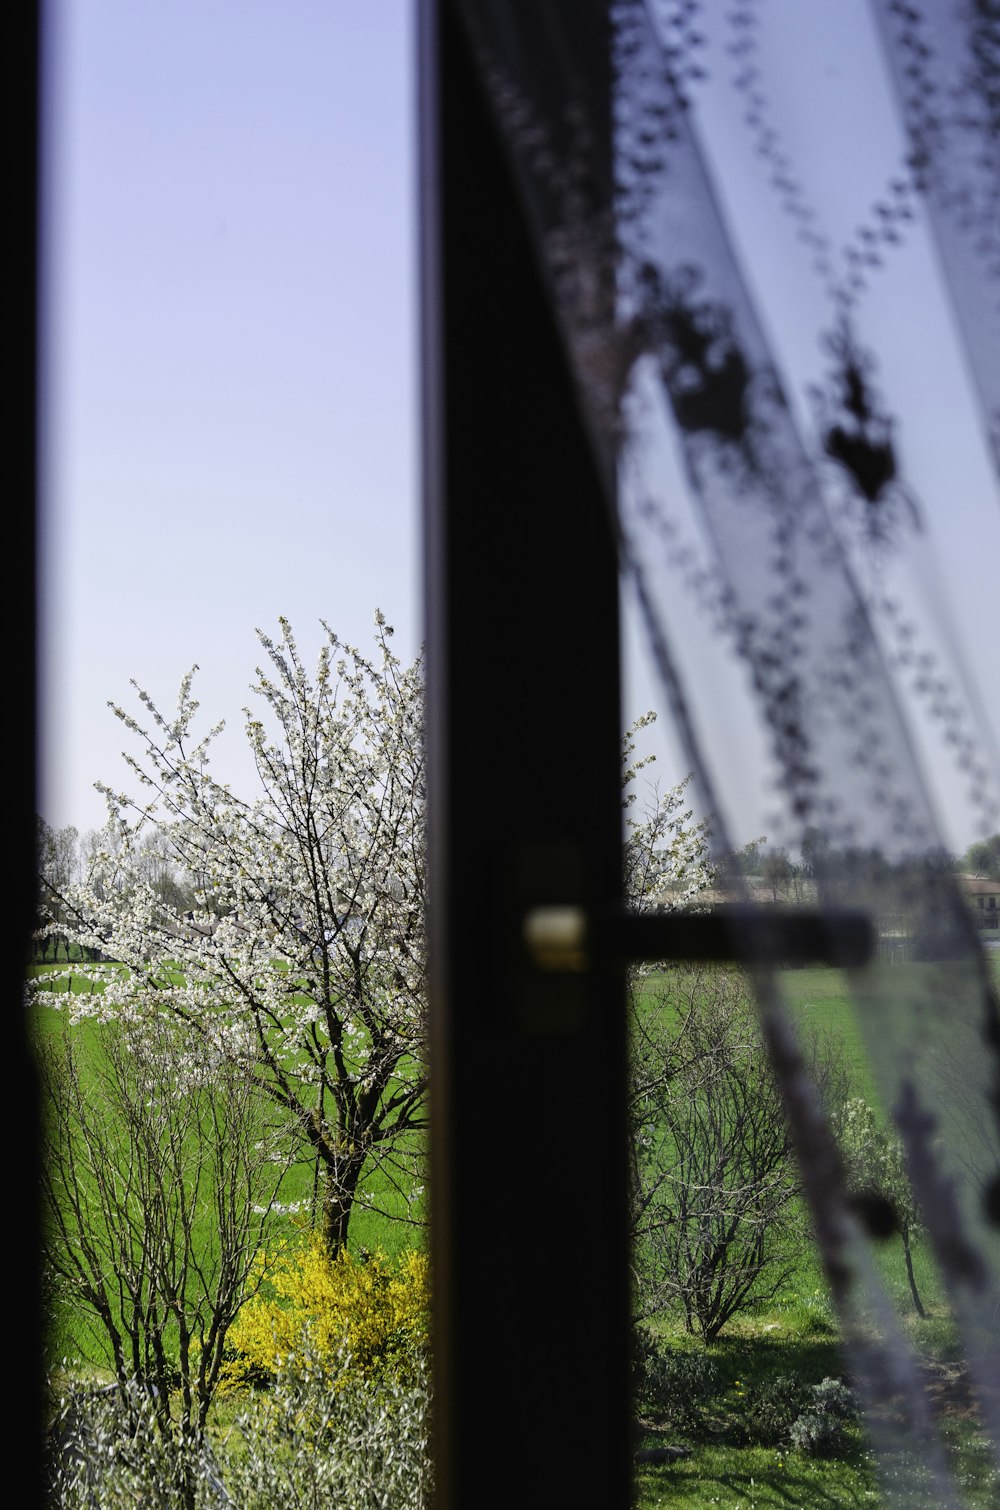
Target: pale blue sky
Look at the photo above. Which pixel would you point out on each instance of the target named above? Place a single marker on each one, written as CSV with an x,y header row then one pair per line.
x,y
231,346
231,351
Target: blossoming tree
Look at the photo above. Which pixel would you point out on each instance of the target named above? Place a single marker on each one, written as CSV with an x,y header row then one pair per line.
x,y
303,956
666,857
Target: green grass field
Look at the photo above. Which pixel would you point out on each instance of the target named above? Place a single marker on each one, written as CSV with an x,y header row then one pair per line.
x,y
799,1336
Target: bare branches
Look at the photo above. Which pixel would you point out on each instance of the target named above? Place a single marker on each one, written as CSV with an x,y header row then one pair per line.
x,y
716,1221
159,1179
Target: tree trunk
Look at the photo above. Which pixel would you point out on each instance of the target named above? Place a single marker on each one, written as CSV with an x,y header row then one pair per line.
x,y
909,1272
338,1203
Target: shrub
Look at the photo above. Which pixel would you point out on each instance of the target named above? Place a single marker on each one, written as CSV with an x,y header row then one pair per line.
x,y
363,1311
809,1417
716,1210
835,1398
679,1385
647,1351
108,1447
817,1433
771,1408
158,1186
325,1435
316,1438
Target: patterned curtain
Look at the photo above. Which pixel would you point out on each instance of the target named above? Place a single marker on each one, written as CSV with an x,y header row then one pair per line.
x,y
788,531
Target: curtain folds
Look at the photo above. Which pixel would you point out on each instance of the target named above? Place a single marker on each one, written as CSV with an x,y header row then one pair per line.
x,y
790,537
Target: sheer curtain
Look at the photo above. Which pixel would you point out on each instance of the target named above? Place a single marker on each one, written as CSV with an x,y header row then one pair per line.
x,y
790,533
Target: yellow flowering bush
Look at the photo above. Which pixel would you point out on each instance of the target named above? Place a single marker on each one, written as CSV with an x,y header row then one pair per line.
x,y
360,1315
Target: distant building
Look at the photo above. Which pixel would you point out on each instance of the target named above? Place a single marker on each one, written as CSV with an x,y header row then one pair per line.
x,y
984,898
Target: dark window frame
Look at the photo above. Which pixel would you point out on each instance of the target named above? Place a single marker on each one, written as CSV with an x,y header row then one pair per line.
x,y
529,1245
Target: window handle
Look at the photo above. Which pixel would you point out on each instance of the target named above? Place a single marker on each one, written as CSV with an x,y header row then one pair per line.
x,y
567,938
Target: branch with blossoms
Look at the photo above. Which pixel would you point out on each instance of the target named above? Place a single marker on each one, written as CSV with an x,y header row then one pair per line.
x,y
302,955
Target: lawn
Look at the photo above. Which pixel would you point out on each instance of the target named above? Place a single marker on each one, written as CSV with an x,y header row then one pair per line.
x,y
799,1337
724,1470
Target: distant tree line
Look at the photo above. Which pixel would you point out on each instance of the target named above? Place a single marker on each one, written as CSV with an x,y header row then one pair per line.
x,y
983,858
845,871
913,901
66,858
